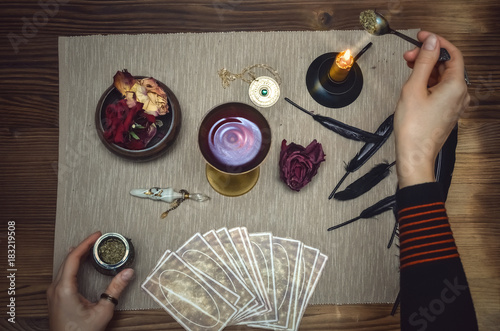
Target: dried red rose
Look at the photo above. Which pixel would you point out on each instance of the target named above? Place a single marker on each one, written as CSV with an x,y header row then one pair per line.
x,y
144,129
298,165
131,128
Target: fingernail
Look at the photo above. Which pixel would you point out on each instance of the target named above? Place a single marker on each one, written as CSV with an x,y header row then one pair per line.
x,y
127,274
430,43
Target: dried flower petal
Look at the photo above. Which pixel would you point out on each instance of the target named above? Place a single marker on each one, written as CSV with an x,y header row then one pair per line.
x,y
157,97
151,85
141,94
123,81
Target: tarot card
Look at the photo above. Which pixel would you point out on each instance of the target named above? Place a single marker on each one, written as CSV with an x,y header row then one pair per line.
x,y
313,281
262,247
308,259
230,247
214,241
243,246
286,253
188,298
199,254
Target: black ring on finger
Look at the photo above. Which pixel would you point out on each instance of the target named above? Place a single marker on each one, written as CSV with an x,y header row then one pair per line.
x,y
108,297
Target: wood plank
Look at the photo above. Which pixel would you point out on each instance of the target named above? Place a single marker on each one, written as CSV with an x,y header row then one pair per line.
x,y
478,136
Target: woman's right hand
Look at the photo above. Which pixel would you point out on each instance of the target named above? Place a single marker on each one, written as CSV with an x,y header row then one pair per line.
x,y
431,102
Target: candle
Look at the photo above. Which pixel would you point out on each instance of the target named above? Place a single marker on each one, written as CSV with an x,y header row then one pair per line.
x,y
341,66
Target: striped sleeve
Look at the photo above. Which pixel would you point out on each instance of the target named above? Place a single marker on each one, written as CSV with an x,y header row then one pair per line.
x,y
425,233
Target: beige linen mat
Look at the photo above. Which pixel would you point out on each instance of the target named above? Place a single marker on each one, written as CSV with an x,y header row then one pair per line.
x,y
94,184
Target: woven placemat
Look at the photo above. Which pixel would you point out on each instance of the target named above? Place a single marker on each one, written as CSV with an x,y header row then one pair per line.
x,y
94,184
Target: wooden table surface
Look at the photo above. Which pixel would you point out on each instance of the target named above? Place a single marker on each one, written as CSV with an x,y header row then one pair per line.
x,y
29,132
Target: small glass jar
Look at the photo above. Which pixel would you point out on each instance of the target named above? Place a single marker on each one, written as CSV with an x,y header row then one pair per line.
x,y
112,253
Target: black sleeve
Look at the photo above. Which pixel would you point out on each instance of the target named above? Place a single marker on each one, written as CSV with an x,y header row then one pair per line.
x,y
435,294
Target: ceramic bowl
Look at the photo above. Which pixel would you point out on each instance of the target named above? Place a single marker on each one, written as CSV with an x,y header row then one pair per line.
x,y
161,142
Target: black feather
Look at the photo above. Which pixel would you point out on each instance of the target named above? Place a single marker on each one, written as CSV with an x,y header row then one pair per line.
x,y
445,162
383,205
367,151
396,304
366,182
395,232
345,130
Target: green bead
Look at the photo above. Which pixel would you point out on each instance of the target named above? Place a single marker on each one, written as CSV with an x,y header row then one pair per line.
x,y
263,92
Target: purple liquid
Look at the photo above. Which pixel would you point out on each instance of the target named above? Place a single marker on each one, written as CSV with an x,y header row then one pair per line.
x,y
234,141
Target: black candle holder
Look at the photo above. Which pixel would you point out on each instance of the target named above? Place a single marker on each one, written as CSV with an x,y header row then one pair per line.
x,y
328,92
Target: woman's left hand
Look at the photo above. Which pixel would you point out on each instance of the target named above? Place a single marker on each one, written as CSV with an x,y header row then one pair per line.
x,y
68,309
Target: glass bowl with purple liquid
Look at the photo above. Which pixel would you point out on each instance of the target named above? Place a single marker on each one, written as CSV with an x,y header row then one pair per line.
x,y
234,139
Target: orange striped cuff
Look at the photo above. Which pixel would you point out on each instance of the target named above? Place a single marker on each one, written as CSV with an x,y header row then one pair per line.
x,y
425,234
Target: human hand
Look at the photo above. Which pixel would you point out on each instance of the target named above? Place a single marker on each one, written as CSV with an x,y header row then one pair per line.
x,y
68,309
430,104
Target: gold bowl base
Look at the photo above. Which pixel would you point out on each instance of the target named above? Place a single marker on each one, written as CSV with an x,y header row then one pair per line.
x,y
231,185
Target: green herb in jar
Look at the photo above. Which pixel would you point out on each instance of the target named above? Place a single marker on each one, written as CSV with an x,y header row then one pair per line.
x,y
111,251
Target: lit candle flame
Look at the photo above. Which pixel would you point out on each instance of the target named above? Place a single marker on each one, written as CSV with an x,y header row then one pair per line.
x,y
341,66
346,60
347,55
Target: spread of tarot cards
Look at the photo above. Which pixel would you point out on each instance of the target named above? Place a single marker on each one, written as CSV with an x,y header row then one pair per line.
x,y
232,277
